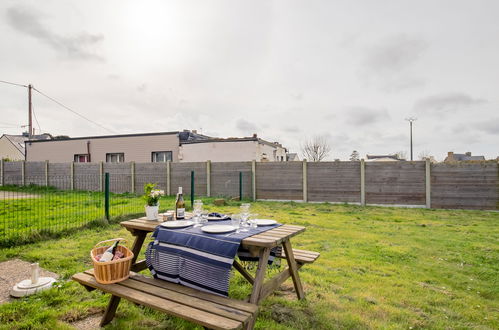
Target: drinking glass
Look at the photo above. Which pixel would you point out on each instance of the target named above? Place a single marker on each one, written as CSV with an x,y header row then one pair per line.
x,y
245,208
252,220
198,210
236,222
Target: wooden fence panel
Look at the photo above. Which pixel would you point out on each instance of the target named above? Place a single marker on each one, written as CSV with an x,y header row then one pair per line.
x,y
465,185
399,183
150,173
333,182
87,176
225,179
181,177
13,173
283,181
35,173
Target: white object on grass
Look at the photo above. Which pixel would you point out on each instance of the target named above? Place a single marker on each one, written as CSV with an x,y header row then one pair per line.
x,y
34,285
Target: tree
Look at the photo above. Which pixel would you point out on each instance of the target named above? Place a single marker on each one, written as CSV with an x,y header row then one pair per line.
x,y
425,154
401,154
354,157
316,149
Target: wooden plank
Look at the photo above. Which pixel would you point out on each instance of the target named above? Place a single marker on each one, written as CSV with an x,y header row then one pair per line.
x,y
260,275
110,310
276,281
243,272
170,307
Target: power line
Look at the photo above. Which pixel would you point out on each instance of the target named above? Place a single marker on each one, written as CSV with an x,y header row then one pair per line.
x,y
36,119
73,111
11,83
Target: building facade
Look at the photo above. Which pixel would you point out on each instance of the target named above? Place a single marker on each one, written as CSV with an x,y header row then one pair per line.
x,y
12,147
185,146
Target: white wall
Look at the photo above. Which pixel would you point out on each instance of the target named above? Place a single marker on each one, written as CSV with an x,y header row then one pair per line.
x,y
8,150
219,151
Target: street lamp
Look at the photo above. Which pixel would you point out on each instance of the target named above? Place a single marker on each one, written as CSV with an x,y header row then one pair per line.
x,y
410,120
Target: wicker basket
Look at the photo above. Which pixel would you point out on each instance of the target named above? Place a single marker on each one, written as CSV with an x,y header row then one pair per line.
x,y
113,271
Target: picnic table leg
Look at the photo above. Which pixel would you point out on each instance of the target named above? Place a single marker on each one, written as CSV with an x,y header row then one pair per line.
x,y
110,310
260,275
293,268
140,236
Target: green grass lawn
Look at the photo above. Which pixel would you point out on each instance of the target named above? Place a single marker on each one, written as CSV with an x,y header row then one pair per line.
x,y
390,268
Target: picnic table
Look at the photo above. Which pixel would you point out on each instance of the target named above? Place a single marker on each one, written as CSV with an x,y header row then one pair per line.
x,y
238,313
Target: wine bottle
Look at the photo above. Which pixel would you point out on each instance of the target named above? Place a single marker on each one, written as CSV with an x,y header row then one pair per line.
x,y
109,253
180,205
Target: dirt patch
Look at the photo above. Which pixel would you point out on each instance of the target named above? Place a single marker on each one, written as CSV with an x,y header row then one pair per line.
x,y
89,323
15,195
14,271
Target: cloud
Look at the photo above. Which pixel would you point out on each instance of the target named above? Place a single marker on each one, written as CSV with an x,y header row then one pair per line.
x,y
246,126
447,102
81,46
360,116
388,63
490,126
291,129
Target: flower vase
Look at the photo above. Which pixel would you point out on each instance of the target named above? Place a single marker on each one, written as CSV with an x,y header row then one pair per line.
x,y
152,212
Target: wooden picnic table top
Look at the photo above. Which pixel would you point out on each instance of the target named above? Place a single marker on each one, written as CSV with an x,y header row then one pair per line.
x,y
269,238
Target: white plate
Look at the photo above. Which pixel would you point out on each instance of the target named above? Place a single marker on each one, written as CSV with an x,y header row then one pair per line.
x,y
265,222
218,229
217,218
177,224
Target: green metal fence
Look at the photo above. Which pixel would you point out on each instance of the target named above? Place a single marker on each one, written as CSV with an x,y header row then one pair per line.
x,y
32,212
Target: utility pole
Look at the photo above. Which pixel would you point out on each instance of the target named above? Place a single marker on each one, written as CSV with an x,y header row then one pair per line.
x,y
30,109
411,120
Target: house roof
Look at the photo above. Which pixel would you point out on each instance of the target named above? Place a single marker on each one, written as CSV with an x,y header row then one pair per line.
x,y
231,139
461,157
111,136
292,156
382,157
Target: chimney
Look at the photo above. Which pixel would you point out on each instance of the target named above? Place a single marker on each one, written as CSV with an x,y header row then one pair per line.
x,y
255,135
450,154
468,153
195,131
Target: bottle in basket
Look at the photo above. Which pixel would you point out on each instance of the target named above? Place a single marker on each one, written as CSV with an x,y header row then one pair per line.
x,y
109,253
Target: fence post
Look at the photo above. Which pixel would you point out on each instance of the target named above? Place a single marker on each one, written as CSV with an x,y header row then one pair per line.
x,y
101,172
72,175
240,186
253,179
305,183
168,177
192,189
23,172
2,178
208,178
362,182
46,173
132,179
428,182
106,196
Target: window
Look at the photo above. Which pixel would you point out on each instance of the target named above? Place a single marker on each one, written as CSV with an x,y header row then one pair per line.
x,y
115,158
161,156
81,158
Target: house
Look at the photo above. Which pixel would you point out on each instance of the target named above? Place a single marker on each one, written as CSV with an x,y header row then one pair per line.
x,y
452,157
12,146
177,146
383,158
293,157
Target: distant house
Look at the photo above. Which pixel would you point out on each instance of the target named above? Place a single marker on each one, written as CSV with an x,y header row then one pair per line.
x,y
452,157
177,146
12,146
293,157
383,158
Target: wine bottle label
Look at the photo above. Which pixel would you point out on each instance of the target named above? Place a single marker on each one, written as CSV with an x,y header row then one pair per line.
x,y
180,213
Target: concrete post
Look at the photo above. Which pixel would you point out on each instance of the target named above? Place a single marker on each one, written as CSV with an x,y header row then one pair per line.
x,y
23,172
46,173
208,178
2,179
428,182
305,184
253,179
101,176
168,177
362,182
132,179
72,175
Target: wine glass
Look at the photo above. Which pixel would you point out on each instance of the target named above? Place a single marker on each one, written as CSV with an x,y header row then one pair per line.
x,y
252,221
235,221
198,210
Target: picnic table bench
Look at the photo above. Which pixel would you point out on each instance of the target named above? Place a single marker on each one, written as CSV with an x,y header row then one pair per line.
x,y
209,310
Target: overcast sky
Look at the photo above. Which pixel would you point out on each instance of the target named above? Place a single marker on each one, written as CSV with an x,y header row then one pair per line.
x,y
287,70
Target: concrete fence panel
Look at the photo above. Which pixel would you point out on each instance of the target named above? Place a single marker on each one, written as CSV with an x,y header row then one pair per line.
x,y
181,177
334,182
12,172
150,173
398,183
282,181
59,175
35,173
87,176
225,179
465,185
120,177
